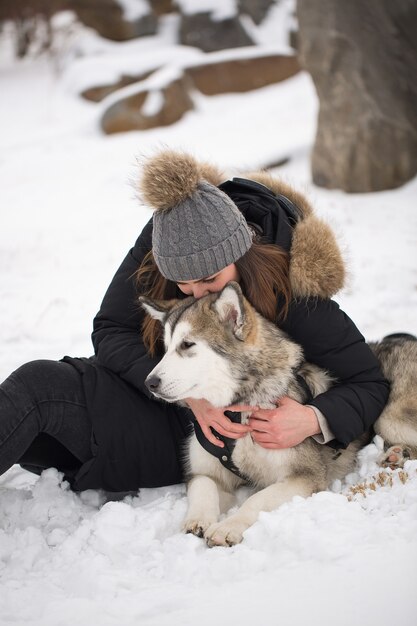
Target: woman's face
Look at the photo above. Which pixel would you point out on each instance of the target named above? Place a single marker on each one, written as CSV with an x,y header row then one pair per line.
x,y
210,284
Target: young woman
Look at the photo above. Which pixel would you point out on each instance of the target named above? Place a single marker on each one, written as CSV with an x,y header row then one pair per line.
x,y
94,419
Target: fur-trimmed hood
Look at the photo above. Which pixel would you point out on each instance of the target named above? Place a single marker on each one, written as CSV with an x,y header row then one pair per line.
x,y
316,267
316,264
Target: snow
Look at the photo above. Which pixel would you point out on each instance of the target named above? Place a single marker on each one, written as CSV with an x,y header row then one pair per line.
x,y
69,214
275,26
153,104
218,9
134,9
108,67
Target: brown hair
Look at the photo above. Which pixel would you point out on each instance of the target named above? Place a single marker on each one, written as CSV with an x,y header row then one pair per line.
x,y
264,278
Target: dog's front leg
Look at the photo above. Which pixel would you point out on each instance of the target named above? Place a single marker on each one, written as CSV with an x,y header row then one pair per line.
x,y
203,505
230,531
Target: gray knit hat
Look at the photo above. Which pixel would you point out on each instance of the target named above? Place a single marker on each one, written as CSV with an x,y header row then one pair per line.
x,y
197,229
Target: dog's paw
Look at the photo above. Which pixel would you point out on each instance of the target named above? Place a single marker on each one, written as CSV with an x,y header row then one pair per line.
x,y
196,527
226,533
395,457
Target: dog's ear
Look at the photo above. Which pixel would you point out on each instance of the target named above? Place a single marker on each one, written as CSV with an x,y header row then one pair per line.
x,y
158,309
231,308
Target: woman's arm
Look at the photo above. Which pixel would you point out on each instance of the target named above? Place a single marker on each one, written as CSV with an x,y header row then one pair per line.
x,y
330,340
116,335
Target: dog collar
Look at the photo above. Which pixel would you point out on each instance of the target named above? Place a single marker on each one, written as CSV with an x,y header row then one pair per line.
x,y
223,454
306,389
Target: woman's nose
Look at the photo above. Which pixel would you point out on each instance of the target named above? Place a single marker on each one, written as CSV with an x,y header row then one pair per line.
x,y
199,291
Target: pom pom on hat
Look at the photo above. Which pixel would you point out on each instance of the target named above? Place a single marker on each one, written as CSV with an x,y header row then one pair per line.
x,y
168,179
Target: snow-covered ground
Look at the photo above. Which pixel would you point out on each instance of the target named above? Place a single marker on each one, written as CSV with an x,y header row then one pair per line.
x,y
68,216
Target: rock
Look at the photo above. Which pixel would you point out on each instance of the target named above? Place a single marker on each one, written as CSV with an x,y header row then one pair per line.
x,y
242,74
161,7
362,57
217,76
257,9
96,94
132,112
108,19
204,32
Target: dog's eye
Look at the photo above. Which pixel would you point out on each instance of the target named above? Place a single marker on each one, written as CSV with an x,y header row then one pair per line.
x,y
185,345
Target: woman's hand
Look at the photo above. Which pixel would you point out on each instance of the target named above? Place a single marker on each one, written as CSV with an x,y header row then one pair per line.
x,y
284,427
209,416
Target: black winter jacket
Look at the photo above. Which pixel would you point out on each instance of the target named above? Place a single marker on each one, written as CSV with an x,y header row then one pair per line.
x,y
114,378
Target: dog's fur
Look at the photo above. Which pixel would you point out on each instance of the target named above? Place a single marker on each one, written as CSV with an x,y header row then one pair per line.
x,y
219,348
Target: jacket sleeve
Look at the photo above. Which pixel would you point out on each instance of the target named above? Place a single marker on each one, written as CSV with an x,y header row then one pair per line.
x,y
331,340
116,333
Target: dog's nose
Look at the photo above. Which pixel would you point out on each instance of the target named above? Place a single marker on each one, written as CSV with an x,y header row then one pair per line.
x,y
152,382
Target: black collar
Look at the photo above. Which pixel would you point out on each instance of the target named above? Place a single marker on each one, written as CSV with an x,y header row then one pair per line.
x,y
308,396
223,454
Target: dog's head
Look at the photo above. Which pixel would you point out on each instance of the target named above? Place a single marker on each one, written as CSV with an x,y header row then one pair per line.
x,y
203,341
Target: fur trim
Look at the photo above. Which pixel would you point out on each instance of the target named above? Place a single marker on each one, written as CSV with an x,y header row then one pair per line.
x,y
279,186
170,177
316,267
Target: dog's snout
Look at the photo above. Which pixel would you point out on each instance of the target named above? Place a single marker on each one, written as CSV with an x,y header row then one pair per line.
x,y
153,382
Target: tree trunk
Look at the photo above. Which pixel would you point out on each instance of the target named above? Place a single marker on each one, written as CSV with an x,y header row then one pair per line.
x,y
362,57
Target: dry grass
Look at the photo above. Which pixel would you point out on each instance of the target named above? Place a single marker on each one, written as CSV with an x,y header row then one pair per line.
x,y
385,478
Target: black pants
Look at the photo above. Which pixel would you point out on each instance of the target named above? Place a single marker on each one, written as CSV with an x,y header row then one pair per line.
x,y
43,419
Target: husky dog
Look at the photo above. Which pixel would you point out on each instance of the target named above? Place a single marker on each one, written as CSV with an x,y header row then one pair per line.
x,y
219,348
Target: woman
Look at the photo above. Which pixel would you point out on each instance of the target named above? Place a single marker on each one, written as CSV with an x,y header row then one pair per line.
x,y
94,419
